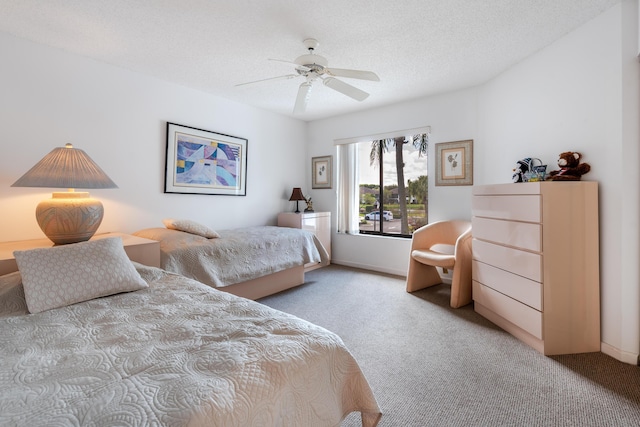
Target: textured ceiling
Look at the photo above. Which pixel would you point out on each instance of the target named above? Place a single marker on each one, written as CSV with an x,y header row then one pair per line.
x,y
417,47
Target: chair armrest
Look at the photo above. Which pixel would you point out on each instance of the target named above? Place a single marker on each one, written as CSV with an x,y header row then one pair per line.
x,y
463,243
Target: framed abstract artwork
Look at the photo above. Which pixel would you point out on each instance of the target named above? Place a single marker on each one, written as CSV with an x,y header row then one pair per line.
x,y
204,162
321,172
454,163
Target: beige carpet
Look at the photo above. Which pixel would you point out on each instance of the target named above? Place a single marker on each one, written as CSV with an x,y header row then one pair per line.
x,y
430,365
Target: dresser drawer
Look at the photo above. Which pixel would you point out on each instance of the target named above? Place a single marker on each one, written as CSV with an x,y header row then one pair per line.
x,y
522,263
515,207
515,312
524,235
517,287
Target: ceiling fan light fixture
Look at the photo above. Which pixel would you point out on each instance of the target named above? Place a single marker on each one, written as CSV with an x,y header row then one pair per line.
x,y
311,59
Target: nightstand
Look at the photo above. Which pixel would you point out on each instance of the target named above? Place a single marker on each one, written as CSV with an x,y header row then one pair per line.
x,y
319,223
144,251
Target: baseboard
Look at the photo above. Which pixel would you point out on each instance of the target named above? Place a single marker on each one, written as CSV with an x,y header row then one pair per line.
x,y
377,268
446,279
616,353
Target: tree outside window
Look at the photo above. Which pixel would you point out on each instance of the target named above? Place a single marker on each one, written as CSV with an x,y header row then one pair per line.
x,y
393,185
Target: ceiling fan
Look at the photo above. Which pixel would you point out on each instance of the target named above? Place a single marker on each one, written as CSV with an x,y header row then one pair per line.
x,y
315,67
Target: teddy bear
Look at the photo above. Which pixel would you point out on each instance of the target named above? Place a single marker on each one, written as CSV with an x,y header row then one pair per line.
x,y
570,167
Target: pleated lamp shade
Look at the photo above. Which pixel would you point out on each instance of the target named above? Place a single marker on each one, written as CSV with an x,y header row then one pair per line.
x,y
68,217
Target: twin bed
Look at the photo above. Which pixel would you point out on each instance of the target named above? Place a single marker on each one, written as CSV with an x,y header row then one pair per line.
x,y
90,338
251,262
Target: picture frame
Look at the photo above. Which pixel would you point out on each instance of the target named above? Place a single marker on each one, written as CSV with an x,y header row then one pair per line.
x,y
454,163
200,161
321,172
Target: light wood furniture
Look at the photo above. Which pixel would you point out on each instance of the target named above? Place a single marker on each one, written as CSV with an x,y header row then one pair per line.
x,y
270,284
144,251
536,263
430,248
319,223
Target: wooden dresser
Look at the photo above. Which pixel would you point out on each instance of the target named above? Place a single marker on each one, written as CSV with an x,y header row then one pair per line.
x,y
319,223
536,263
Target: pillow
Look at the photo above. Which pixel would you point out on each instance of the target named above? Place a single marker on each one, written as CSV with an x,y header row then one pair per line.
x,y
189,226
64,275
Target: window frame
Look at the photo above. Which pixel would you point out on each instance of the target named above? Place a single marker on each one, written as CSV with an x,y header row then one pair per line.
x,y
381,186
348,189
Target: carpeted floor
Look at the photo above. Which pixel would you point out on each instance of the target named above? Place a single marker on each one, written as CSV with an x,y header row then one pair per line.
x,y
430,365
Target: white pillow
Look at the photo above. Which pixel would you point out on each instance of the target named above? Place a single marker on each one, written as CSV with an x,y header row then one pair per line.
x,y
64,275
189,226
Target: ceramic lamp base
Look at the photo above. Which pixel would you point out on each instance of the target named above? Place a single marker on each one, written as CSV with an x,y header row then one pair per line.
x,y
69,217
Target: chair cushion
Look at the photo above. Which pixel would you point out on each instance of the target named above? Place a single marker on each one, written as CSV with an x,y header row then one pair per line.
x,y
429,257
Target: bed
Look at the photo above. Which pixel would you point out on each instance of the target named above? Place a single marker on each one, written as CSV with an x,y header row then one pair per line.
x,y
251,262
166,351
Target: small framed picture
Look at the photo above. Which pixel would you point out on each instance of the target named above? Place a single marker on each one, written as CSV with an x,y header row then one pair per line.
x,y
322,174
454,163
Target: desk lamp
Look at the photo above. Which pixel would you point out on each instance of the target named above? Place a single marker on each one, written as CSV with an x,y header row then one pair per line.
x,y
296,195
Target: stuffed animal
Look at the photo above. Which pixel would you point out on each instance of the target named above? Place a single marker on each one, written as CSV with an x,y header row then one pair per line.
x,y
522,167
570,167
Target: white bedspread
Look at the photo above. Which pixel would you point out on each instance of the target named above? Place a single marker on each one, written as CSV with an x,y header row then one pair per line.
x,y
176,354
237,255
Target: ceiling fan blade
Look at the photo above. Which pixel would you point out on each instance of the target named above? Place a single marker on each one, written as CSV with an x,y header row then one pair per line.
x,y
302,98
345,88
288,76
353,74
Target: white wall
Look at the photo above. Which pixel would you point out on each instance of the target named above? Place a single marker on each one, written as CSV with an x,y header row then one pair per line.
x,y
50,97
578,94
629,324
581,94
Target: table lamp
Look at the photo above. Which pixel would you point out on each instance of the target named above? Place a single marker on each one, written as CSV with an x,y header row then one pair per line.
x,y
68,217
296,195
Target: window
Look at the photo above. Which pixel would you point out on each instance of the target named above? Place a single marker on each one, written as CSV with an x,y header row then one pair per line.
x,y
383,183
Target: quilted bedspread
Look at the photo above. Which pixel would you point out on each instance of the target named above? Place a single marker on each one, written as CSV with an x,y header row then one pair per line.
x,y
178,353
237,255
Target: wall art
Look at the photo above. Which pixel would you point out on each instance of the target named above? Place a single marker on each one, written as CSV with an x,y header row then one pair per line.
x,y
322,174
204,162
454,163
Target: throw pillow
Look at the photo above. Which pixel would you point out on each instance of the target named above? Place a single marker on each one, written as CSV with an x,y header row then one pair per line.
x,y
189,226
64,275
